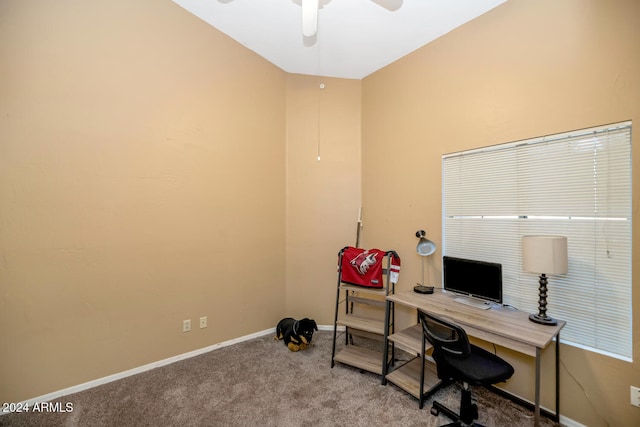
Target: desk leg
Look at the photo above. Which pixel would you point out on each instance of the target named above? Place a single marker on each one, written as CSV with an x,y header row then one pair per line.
x,y
557,420
537,408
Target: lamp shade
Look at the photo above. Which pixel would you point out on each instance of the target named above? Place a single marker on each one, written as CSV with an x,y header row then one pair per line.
x,y
425,246
545,254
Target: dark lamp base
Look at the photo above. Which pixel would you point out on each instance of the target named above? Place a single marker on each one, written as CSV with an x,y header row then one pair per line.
x,y
546,320
423,289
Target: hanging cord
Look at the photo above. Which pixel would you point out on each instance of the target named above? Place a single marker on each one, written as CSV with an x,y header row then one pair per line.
x,y
319,122
321,85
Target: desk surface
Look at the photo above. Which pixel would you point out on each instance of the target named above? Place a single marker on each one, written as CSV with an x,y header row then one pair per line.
x,y
511,324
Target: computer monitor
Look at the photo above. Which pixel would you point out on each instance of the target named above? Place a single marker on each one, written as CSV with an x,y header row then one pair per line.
x,y
473,278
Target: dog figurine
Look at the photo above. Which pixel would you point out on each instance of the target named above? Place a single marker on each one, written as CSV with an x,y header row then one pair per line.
x,y
297,334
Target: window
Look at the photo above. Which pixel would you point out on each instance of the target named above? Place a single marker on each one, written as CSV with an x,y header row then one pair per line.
x,y
576,184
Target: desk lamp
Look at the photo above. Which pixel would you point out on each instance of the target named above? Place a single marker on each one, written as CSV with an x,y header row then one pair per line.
x,y
424,248
544,255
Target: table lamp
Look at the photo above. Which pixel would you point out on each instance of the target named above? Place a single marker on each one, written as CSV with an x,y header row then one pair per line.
x,y
544,255
424,248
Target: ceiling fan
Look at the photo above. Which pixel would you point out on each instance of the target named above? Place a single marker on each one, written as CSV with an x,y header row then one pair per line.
x,y
310,10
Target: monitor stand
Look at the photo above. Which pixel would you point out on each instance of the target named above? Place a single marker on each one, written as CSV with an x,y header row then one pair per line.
x,y
474,302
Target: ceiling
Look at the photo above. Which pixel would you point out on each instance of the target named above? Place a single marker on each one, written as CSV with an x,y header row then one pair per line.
x,y
355,37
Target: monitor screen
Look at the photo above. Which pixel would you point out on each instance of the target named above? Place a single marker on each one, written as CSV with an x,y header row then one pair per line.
x,y
479,279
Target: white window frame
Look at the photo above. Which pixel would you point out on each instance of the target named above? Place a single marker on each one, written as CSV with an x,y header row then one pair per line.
x,y
576,184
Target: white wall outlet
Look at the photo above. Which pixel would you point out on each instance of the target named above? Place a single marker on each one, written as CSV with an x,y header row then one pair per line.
x,y
635,396
203,322
186,325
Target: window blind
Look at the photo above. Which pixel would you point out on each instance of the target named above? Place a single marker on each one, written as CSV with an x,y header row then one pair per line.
x,y
575,184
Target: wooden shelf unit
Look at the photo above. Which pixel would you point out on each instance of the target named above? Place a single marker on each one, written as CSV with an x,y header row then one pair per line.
x,y
363,309
361,358
375,326
409,339
407,375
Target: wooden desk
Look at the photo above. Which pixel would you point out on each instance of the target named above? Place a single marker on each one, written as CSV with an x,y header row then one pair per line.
x,y
503,326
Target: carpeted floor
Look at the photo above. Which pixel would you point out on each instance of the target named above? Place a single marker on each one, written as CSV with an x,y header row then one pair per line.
x,y
261,383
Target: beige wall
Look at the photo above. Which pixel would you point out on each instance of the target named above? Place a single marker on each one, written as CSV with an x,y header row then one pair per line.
x,y
527,68
323,197
152,170
142,182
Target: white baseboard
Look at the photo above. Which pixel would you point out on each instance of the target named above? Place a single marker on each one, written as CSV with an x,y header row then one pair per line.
x,y
568,422
104,380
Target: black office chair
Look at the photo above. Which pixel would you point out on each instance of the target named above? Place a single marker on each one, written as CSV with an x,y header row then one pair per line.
x,y
458,360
